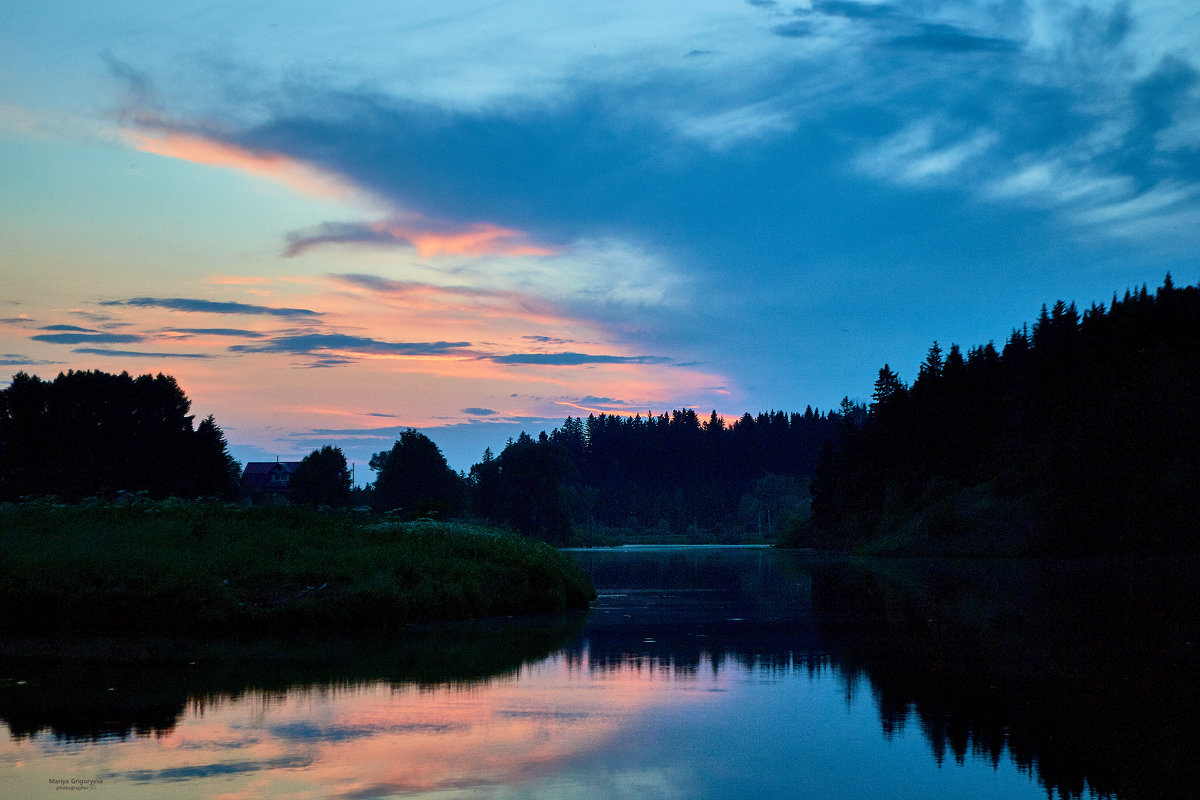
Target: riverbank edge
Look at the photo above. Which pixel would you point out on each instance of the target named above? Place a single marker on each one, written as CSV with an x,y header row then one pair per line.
x,y
205,567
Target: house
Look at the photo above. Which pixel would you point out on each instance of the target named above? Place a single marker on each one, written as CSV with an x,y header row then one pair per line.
x,y
267,481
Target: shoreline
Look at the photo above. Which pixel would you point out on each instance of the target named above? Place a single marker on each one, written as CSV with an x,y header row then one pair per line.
x,y
195,567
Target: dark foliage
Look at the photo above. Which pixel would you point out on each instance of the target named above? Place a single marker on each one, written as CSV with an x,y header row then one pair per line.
x,y
323,478
1082,435
524,488
92,433
673,473
415,480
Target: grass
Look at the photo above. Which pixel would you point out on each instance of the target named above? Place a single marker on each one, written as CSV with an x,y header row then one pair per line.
x,y
196,566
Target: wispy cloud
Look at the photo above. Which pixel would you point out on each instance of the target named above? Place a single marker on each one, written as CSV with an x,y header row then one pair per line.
x,y
192,305
329,362
96,318
75,328
729,127
311,343
479,412
547,340
239,333
478,239
574,359
920,153
592,399
950,39
174,141
1154,211
101,351
81,338
855,10
449,299
18,360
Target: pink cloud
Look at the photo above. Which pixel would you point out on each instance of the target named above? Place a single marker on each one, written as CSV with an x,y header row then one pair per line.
x,y
427,237
201,149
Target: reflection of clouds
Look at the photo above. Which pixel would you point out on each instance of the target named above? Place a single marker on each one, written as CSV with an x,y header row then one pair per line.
x,y
309,732
522,733
217,744
544,715
215,769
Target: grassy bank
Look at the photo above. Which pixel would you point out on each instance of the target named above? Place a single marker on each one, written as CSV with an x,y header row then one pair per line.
x,y
191,566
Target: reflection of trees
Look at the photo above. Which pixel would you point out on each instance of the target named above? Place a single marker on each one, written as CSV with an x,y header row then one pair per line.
x,y
687,609
118,688
757,648
1087,675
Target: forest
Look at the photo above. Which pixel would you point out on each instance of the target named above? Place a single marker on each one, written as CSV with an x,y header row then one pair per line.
x,y
669,477
1081,434
90,433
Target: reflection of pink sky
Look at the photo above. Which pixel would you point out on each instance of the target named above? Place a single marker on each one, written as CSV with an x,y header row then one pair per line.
x,y
400,739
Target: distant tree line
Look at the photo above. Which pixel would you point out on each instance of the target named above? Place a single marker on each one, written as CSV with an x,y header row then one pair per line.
x,y
90,433
1081,435
674,474
668,475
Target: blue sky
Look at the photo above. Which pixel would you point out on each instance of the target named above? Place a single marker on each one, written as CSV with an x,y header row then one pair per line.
x,y
334,221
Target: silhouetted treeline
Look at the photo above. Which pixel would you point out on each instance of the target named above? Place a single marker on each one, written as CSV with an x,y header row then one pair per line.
x,y
92,433
672,473
1081,435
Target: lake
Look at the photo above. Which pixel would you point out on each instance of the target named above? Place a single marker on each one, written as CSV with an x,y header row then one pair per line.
x,y
698,673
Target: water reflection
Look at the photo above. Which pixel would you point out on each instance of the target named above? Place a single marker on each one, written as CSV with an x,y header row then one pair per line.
x,y
699,674
86,688
1085,674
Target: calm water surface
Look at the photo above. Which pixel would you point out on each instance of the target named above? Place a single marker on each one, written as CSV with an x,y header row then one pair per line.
x,y
699,673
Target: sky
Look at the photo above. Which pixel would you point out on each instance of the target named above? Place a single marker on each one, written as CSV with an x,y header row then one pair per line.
x,y
334,221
